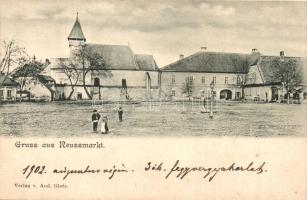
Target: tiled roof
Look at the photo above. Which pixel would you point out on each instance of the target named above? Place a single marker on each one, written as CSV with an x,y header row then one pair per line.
x,y
219,62
121,57
115,56
267,70
7,81
45,79
76,31
146,62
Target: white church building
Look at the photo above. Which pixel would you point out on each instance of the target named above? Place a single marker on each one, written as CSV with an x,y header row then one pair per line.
x,y
129,75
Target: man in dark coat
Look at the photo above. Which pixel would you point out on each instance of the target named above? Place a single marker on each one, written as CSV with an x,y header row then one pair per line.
x,y
120,114
95,119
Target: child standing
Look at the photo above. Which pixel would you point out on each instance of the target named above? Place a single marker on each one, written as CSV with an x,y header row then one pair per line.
x,y
104,125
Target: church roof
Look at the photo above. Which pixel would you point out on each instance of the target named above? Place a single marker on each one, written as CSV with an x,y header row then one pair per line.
x,y
146,62
121,57
218,62
116,57
76,31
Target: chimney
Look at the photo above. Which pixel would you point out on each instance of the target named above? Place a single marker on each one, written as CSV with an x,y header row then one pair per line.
x,y
203,48
181,56
255,50
282,55
47,61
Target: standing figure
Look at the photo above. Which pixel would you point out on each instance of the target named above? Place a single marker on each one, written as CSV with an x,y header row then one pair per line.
x,y
120,114
104,125
95,119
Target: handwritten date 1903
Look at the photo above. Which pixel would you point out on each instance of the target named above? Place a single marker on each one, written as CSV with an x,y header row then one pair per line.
x,y
27,171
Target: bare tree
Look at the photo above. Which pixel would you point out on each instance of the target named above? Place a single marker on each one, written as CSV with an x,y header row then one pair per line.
x,y
11,55
288,73
90,61
243,65
187,87
70,69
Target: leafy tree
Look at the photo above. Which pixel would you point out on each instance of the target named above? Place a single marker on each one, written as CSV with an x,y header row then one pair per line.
x,y
187,87
243,64
288,72
27,73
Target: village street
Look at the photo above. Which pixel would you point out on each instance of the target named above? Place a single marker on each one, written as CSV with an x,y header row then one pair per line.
x,y
63,119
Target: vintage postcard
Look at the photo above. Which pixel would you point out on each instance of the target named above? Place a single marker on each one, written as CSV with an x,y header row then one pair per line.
x,y
135,99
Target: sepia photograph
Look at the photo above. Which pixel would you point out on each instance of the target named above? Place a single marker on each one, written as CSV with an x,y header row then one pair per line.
x,y
140,68
139,99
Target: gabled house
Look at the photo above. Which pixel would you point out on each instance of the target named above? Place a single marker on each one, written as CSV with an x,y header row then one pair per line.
x,y
263,85
8,88
33,85
41,88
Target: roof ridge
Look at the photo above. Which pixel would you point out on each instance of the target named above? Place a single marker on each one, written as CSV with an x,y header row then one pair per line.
x,y
143,54
122,45
284,56
206,52
180,60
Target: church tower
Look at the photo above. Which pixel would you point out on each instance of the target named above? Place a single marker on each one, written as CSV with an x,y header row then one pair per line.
x,y
76,37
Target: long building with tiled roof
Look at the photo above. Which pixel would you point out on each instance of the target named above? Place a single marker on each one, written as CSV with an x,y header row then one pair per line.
x,y
233,75
214,62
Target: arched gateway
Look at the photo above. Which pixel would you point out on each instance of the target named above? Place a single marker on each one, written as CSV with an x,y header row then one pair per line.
x,y
226,94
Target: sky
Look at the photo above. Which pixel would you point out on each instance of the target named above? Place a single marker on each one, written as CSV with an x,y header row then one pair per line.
x,y
163,28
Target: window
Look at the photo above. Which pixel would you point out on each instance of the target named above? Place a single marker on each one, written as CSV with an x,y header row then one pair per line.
x,y
96,82
1,94
214,79
190,79
238,80
203,80
9,93
173,92
124,83
79,96
226,80
173,79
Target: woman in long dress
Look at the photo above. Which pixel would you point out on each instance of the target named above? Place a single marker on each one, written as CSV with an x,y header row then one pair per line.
x,y
104,125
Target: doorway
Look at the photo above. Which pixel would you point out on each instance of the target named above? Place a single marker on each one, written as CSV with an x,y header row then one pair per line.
x,y
226,94
79,96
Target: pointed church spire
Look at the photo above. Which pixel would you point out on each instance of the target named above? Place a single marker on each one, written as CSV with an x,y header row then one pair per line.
x,y
76,31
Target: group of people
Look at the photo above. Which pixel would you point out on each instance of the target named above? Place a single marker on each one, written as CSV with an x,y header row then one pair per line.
x,y
104,120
